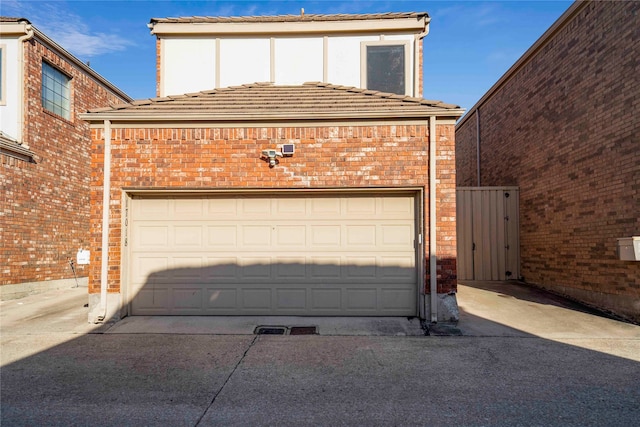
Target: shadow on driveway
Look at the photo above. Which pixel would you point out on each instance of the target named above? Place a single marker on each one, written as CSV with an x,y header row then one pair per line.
x,y
555,376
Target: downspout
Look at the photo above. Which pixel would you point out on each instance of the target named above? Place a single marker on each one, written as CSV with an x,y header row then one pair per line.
x,y
21,106
433,275
478,144
106,196
416,64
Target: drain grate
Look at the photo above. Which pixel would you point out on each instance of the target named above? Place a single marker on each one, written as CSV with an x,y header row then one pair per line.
x,y
286,330
270,330
303,330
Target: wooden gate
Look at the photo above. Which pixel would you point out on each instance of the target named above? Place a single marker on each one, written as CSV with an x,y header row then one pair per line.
x,y
488,233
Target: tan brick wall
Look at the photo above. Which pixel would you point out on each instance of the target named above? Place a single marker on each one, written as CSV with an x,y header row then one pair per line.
x,y
326,157
45,205
565,129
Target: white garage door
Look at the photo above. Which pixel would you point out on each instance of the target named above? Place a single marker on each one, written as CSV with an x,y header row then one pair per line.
x,y
342,255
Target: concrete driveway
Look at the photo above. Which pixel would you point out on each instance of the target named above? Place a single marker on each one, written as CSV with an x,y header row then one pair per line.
x,y
520,357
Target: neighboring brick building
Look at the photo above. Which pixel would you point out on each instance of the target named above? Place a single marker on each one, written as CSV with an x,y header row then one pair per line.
x,y
562,125
45,159
202,221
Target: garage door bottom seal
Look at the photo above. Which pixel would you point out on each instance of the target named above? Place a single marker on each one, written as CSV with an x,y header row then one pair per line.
x,y
286,330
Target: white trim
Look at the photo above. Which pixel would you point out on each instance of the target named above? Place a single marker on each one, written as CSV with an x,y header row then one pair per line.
x,y
217,64
130,194
389,26
3,74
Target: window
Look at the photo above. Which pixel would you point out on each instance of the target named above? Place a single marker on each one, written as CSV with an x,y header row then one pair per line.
x,y
386,67
55,91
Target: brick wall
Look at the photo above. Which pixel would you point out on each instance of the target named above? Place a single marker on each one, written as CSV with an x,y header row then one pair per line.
x,y
326,157
565,129
45,205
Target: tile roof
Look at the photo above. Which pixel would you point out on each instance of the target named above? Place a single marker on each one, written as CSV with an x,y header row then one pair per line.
x,y
12,19
289,18
266,101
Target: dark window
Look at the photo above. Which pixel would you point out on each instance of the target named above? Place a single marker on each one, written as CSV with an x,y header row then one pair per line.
x,y
386,68
55,91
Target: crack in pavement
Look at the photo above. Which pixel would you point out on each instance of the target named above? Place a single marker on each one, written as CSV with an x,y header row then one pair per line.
x,y
215,396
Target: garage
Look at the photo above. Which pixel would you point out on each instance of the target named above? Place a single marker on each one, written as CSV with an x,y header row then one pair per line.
x,y
288,253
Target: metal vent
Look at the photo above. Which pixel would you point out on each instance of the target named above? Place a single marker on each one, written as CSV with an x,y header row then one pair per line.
x,y
286,330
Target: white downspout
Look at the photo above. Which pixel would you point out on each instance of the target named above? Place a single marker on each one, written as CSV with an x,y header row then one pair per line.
x,y
433,275
106,196
21,102
416,56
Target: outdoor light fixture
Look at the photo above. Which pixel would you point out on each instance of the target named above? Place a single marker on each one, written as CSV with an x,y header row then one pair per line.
x,y
271,156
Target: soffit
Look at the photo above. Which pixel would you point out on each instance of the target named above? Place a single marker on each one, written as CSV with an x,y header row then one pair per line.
x,y
266,101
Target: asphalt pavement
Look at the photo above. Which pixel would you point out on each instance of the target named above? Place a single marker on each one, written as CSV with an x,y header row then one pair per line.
x,y
518,356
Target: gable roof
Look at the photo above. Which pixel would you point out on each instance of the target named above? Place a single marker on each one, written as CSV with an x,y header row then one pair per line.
x,y
269,102
17,27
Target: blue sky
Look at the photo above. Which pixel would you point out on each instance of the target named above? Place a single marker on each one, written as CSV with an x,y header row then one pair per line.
x,y
470,45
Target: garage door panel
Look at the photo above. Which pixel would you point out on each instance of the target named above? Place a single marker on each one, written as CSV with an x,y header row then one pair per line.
x,y
290,268
324,207
361,236
187,237
318,255
252,207
222,236
222,208
150,236
221,268
290,208
256,236
291,299
396,236
290,236
188,208
221,299
396,299
325,236
187,299
151,300
361,299
324,267
255,298
144,266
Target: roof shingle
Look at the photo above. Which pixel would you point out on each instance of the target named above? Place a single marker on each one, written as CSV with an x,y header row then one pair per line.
x,y
268,101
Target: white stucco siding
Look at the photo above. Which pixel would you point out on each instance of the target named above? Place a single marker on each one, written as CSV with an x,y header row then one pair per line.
x,y
244,61
10,105
343,60
298,60
188,65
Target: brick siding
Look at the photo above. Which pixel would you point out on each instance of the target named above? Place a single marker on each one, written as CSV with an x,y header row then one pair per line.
x,y
326,157
565,129
45,205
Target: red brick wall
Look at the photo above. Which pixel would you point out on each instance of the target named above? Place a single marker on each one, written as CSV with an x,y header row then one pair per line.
x,y
45,205
326,157
565,129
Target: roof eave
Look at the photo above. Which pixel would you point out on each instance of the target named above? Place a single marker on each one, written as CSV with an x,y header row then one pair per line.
x,y
128,116
301,27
